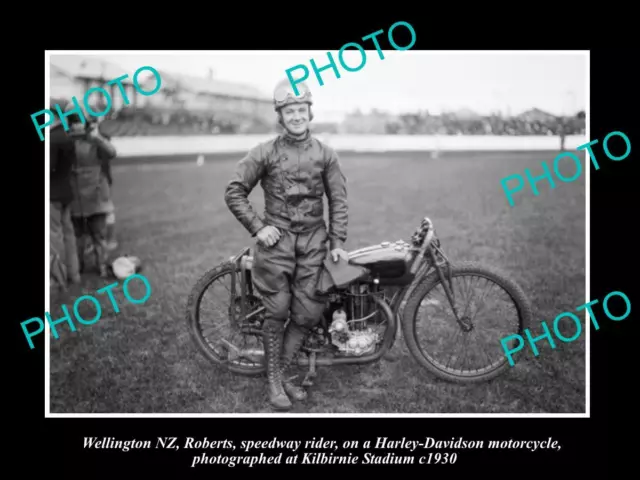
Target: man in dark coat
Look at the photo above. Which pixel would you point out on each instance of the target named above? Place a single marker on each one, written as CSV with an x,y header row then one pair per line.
x,y
65,266
295,171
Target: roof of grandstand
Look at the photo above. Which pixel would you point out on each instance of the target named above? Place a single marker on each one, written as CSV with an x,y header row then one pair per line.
x,y
211,86
466,114
536,115
78,66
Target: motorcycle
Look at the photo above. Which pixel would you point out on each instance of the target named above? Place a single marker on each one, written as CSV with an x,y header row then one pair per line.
x,y
378,294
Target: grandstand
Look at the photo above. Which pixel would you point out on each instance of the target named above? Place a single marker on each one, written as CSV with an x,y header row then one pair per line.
x,y
188,105
194,105
463,122
65,85
74,75
185,105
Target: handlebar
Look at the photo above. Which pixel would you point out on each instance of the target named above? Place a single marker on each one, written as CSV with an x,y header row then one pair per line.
x,y
426,225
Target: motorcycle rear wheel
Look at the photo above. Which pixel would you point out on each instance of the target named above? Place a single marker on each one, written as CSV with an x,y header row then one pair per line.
x,y
222,272
426,287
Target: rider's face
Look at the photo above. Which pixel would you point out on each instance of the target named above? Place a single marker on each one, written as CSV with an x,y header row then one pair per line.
x,y
296,117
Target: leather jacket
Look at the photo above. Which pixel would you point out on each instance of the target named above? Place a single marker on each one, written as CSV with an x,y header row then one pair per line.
x,y
294,175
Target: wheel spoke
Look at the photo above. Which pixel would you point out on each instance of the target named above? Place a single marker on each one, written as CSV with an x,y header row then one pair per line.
x,y
211,306
457,331
438,334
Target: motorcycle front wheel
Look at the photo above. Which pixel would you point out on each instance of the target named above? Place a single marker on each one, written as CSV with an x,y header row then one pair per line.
x,y
431,330
221,340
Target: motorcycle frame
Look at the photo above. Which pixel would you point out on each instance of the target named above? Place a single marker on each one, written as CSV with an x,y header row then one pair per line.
x,y
429,257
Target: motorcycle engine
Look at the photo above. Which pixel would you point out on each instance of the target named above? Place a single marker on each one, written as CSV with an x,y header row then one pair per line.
x,y
351,342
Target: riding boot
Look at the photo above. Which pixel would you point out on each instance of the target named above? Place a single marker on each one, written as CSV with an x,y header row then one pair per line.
x,y
272,336
294,337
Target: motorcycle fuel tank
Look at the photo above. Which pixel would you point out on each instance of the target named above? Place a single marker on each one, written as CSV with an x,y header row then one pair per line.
x,y
386,260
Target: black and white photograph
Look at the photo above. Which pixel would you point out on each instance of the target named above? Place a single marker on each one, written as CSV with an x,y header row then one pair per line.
x,y
393,240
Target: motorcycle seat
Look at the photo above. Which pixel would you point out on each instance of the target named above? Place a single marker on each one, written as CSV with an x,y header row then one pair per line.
x,y
338,274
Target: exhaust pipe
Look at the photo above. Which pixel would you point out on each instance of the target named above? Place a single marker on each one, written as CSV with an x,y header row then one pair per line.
x,y
255,354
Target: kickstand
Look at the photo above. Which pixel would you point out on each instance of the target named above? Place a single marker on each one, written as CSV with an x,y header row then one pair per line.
x,y
312,371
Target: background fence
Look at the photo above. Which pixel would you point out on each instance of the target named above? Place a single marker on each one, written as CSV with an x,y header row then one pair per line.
x,y
211,144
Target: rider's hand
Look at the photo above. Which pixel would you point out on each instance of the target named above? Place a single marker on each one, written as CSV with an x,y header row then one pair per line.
x,y
339,253
268,236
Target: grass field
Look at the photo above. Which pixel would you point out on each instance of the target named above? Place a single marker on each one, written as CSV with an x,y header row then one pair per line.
x,y
174,218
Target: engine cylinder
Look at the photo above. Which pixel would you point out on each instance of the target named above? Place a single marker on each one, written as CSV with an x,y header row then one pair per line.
x,y
354,328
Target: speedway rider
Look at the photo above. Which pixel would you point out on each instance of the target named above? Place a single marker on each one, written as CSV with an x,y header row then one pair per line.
x,y
295,171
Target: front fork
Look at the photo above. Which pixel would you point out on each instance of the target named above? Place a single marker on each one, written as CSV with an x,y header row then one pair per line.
x,y
447,285
239,266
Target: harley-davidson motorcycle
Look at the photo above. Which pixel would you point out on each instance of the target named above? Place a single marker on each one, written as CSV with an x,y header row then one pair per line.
x,y
384,286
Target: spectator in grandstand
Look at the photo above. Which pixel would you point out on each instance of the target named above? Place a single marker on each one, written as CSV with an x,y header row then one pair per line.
x,y
64,257
92,202
296,171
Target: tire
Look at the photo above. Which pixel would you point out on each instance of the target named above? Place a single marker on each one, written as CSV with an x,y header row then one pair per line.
x,y
193,317
429,282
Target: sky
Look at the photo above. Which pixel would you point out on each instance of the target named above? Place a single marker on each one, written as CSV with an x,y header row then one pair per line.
x,y
510,82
